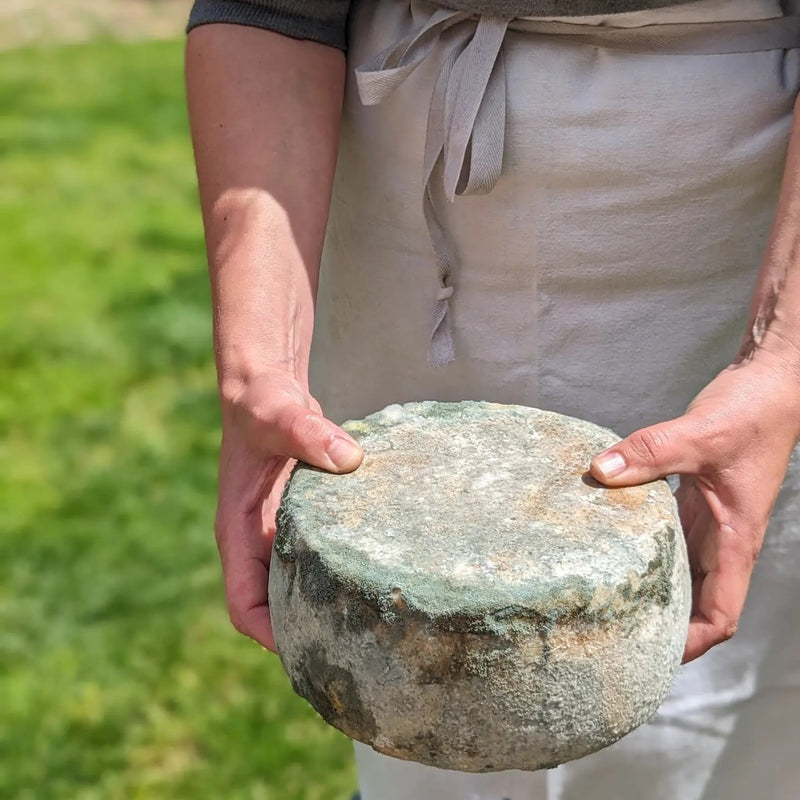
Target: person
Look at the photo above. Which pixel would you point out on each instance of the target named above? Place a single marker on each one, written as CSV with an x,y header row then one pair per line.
x,y
558,204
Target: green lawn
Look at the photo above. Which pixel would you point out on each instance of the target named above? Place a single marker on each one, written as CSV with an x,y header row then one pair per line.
x,y
120,676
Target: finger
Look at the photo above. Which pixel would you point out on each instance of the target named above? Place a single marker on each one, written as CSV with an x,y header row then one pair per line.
x,y
299,432
703,635
245,555
273,499
648,454
245,548
725,563
246,593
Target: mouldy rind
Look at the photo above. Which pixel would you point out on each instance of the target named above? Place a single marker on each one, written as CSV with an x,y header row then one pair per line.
x,y
469,599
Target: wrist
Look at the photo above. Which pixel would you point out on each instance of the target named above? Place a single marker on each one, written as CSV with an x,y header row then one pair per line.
x,y
774,368
773,349
250,345
235,382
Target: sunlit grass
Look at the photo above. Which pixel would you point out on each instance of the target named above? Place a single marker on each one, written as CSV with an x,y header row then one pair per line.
x,y
120,676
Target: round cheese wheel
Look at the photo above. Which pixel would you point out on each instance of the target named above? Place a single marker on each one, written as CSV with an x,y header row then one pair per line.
x,y
470,598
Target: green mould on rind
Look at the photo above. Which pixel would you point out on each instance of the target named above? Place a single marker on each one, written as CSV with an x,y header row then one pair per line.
x,y
470,598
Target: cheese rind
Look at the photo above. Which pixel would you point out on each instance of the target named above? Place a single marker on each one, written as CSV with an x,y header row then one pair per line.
x,y
470,598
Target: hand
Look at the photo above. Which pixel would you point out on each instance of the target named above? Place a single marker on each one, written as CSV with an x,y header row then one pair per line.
x,y
265,424
732,449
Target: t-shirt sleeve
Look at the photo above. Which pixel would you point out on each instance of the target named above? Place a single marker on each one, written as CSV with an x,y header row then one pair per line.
x,y
322,21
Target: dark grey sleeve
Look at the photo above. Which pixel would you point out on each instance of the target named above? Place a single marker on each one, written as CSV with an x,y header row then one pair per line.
x,y
322,21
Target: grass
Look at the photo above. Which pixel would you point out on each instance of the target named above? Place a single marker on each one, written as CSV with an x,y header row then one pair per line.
x,y
119,673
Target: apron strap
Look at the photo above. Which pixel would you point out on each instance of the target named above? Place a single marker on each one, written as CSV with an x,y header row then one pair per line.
x,y
464,142
681,38
467,115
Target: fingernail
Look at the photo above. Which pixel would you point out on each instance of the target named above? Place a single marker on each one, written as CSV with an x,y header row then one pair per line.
x,y
610,464
343,452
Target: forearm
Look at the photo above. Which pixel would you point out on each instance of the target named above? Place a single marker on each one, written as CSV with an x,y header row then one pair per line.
x,y
264,112
773,329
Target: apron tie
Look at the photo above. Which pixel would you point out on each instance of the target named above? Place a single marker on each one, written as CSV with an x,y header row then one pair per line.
x,y
465,131
467,115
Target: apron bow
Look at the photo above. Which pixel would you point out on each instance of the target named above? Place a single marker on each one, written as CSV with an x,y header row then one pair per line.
x,y
465,132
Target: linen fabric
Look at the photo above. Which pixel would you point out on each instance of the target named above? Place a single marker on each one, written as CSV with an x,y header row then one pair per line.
x,y
607,275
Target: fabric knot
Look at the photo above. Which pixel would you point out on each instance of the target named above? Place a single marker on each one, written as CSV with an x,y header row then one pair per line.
x,y
444,293
465,132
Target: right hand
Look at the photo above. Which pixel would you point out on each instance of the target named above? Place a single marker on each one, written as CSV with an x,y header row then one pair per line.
x,y
268,423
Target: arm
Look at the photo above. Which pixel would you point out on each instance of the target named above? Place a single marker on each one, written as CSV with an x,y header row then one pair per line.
x,y
264,113
733,444
773,328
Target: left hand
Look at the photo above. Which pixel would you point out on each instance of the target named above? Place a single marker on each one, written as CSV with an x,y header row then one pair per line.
x,y
731,448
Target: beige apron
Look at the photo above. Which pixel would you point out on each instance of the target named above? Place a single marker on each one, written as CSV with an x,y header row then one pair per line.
x,y
614,181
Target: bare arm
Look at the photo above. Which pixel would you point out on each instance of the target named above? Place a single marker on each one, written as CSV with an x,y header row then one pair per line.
x,y
265,112
774,323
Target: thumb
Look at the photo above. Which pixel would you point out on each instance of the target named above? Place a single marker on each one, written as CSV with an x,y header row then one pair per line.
x,y
298,432
648,454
